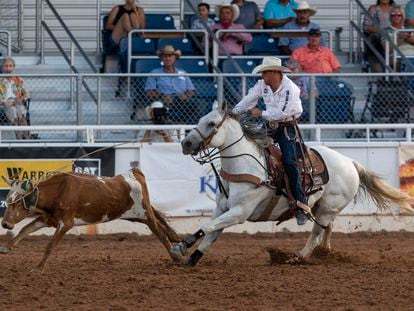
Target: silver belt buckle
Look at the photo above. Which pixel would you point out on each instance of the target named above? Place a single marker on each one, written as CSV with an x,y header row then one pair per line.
x,y
273,124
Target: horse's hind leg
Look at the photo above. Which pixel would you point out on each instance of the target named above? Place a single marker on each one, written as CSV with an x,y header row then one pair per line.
x,y
31,227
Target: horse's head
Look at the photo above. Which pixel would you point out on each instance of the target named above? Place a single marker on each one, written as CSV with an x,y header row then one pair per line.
x,y
208,132
18,201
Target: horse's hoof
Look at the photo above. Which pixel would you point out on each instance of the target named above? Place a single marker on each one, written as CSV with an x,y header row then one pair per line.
x,y
189,262
4,250
37,269
179,250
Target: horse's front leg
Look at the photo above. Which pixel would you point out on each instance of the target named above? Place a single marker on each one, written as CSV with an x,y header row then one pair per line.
x,y
36,224
212,230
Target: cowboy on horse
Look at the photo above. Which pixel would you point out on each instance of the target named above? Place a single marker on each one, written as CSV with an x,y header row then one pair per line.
x,y
283,108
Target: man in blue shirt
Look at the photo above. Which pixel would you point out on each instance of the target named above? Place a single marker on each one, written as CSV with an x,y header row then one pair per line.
x,y
250,15
174,91
302,22
279,12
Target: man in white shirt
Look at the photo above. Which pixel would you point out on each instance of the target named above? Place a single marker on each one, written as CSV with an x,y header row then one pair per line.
x,y
283,107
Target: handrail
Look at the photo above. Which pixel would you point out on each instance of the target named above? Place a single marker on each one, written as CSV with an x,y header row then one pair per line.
x,y
166,31
373,49
216,55
71,36
9,44
66,57
91,130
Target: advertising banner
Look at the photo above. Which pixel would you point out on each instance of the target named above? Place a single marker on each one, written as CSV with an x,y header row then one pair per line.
x,y
406,169
38,163
178,185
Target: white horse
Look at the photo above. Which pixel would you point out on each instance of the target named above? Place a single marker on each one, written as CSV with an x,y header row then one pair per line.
x,y
247,201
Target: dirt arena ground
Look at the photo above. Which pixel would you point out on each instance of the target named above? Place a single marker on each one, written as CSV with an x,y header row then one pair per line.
x,y
366,271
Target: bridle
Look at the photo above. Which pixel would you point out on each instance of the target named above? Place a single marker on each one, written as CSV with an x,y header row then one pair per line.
x,y
206,140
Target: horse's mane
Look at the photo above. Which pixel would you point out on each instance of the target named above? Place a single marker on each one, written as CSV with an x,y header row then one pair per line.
x,y
252,128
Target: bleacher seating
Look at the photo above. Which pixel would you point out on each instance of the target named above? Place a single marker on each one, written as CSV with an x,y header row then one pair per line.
x,y
182,44
335,102
233,85
262,45
389,101
139,46
159,21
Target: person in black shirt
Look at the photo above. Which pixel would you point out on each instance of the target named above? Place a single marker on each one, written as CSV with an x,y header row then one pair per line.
x,y
122,19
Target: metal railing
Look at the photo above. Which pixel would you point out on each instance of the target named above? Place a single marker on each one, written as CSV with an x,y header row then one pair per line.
x,y
161,32
272,32
9,41
92,133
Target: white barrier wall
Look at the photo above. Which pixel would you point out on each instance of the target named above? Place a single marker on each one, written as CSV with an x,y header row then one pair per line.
x,y
181,187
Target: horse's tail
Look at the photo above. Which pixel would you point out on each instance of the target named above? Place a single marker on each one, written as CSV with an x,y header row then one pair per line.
x,y
170,232
383,195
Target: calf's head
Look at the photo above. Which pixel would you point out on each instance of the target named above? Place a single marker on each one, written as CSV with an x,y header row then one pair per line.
x,y
18,202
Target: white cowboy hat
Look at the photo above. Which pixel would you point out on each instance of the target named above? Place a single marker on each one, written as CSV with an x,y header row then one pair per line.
x,y
303,5
148,109
233,7
169,50
271,63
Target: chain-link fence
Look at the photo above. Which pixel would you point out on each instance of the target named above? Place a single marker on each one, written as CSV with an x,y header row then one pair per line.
x,y
9,20
122,100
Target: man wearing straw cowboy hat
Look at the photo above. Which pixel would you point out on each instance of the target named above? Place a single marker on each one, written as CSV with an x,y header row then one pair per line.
x,y
175,91
283,109
302,22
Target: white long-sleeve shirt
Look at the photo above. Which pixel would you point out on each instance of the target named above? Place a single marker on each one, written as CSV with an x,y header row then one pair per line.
x,y
282,105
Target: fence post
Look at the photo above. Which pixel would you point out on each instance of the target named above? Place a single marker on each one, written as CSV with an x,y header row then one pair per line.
x,y
312,100
79,120
220,96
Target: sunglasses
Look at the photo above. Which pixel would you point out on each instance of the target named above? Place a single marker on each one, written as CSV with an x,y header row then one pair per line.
x,y
396,14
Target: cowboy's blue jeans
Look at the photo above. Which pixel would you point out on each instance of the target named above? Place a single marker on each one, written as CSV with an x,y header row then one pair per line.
x,y
288,147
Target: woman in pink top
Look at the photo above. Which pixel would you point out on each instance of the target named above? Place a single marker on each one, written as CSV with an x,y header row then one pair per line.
x,y
231,42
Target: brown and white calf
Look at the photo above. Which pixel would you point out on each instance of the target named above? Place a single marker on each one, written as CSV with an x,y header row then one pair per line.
x,y
65,200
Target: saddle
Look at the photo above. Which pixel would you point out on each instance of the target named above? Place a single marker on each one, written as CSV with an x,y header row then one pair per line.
x,y
314,173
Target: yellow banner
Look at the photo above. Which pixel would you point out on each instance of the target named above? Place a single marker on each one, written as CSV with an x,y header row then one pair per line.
x,y
31,169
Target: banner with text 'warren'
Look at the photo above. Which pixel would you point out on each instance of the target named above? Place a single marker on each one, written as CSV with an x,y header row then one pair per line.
x,y
38,163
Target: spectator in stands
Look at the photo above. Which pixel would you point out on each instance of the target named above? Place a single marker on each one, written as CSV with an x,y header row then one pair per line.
x,y
249,14
277,13
377,19
405,40
176,92
409,14
302,22
315,58
231,42
157,114
198,23
300,81
122,19
13,95
203,11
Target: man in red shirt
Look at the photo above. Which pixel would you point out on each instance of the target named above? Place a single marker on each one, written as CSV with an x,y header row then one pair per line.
x,y
315,58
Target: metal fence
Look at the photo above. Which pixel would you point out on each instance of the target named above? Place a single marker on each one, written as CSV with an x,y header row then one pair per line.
x,y
62,100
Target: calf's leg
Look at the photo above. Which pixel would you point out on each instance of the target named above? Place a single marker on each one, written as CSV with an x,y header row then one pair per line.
x,y
33,226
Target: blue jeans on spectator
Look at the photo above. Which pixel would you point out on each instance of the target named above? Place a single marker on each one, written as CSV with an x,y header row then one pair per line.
x,y
286,138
